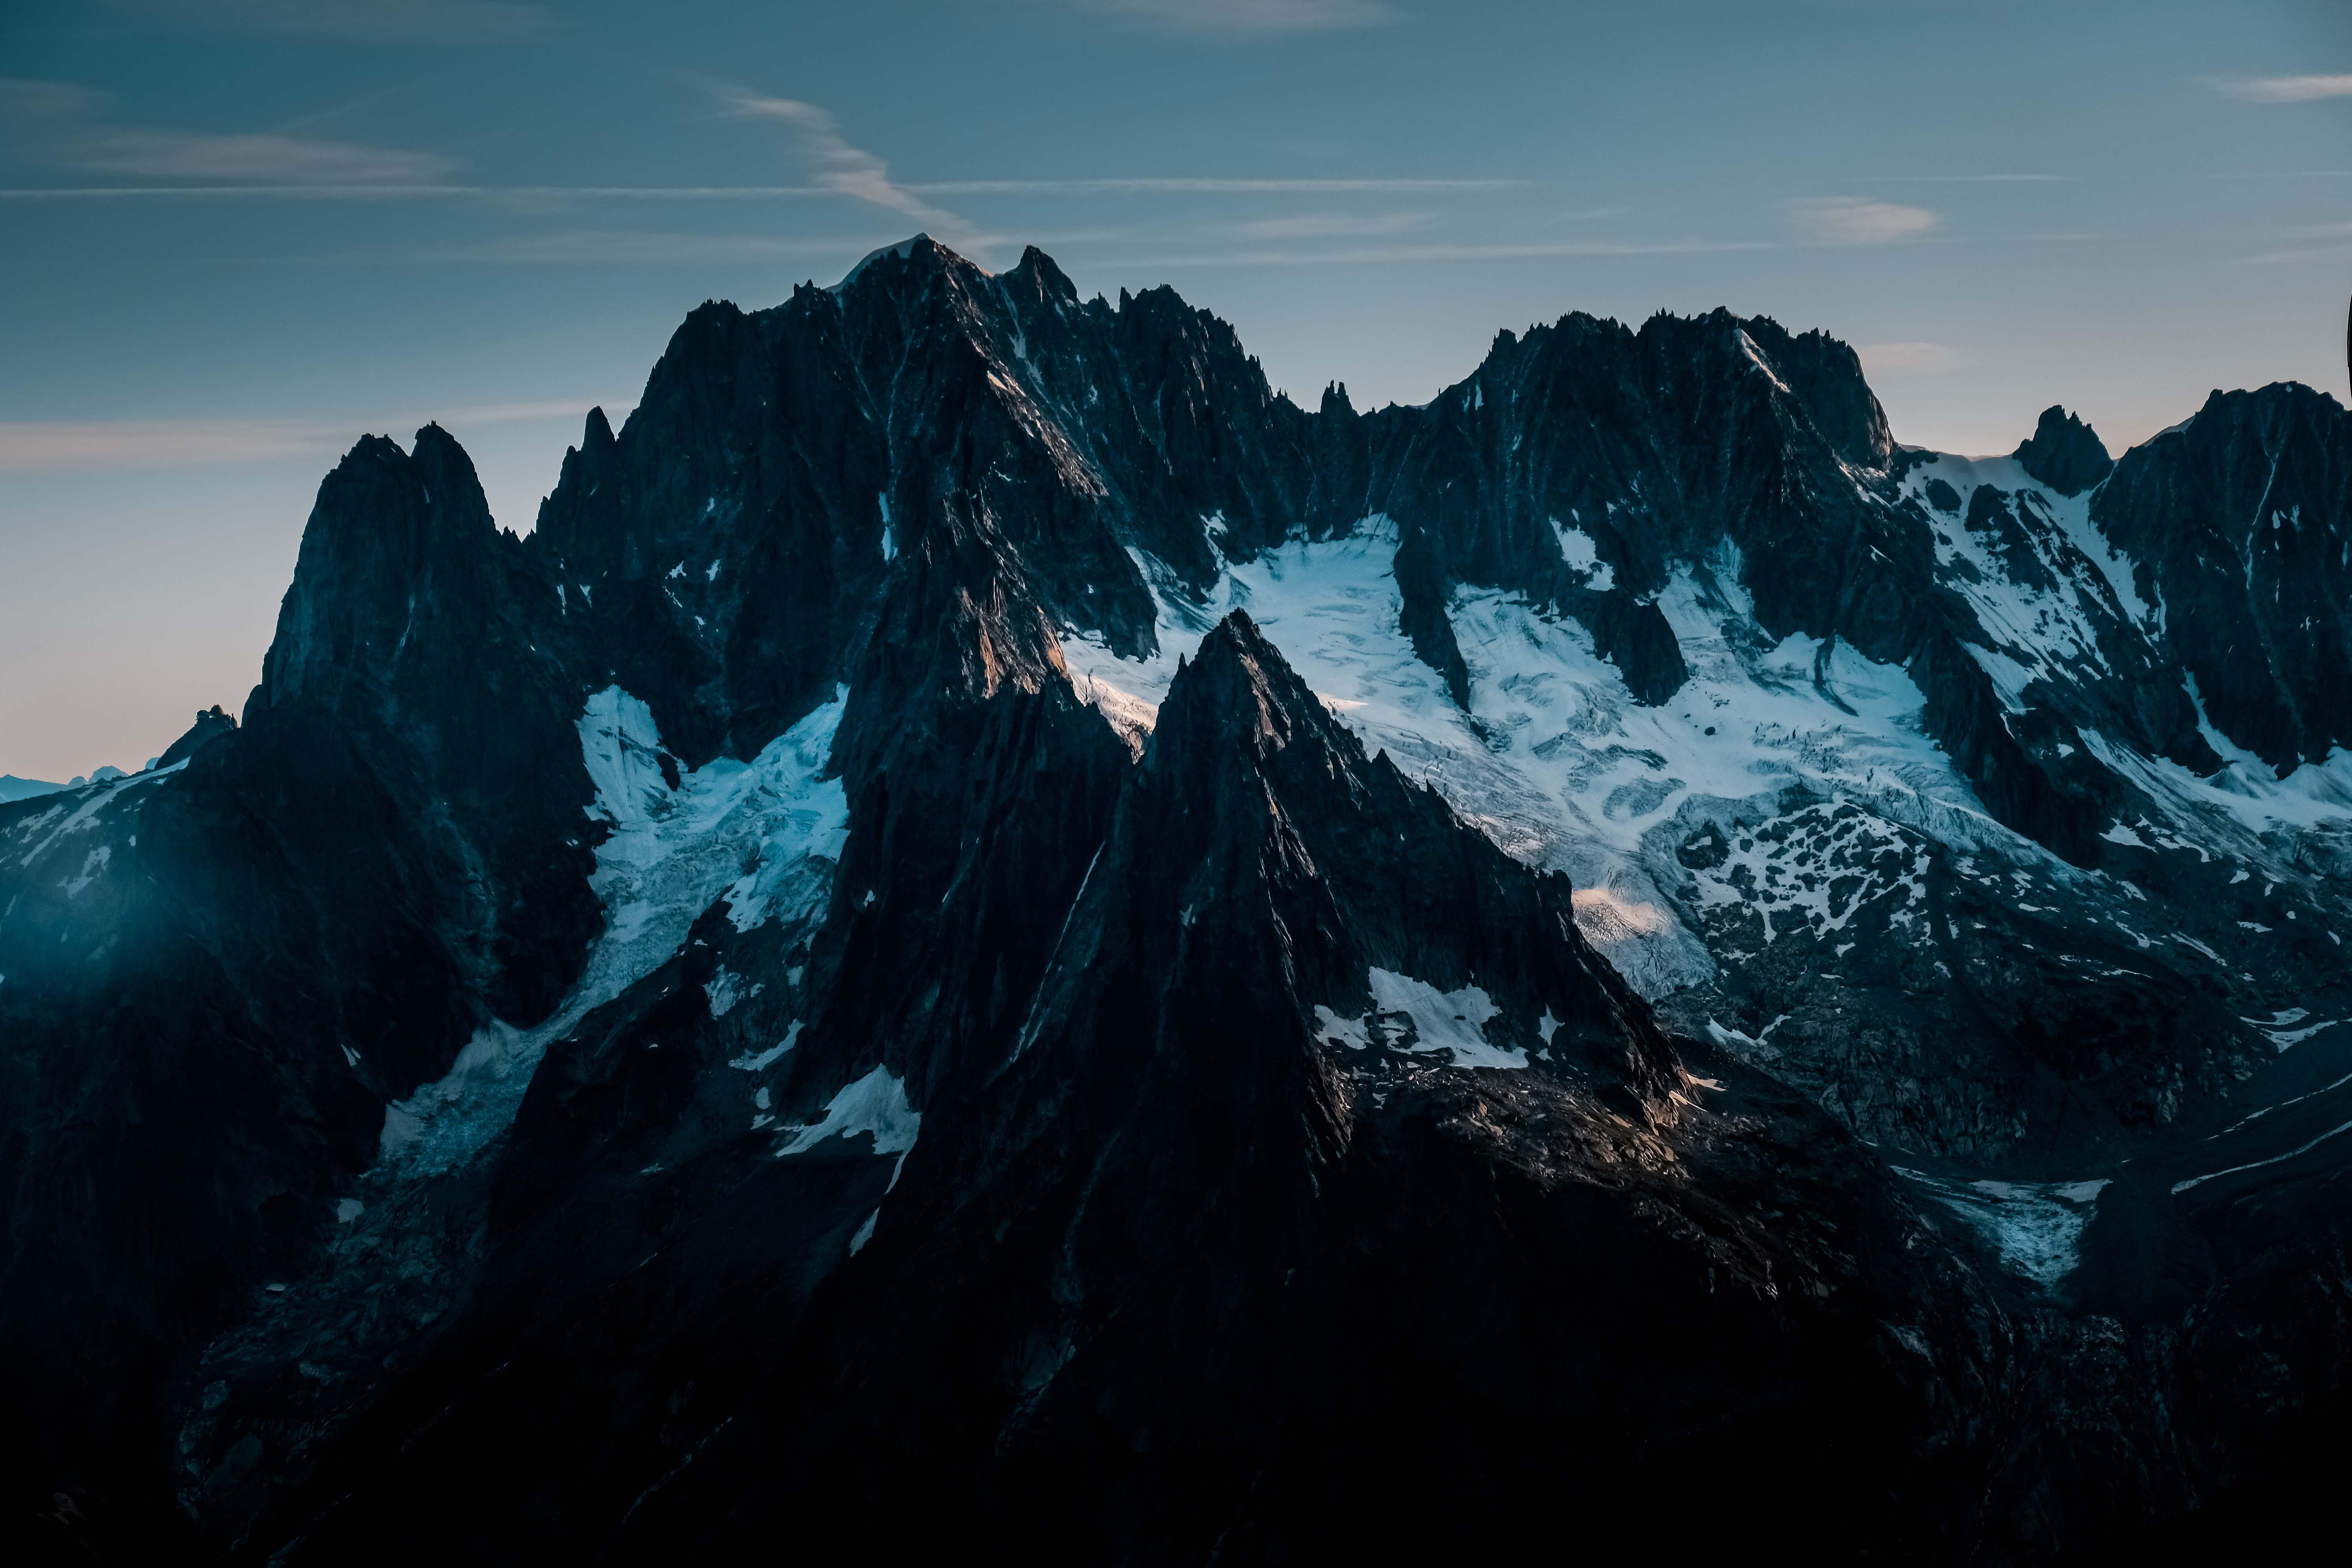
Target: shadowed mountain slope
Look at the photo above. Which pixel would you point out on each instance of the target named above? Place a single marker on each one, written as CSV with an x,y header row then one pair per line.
x,y
992,926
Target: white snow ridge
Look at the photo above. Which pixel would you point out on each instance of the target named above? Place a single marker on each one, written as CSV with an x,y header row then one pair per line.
x,y
671,854
1448,1023
1555,761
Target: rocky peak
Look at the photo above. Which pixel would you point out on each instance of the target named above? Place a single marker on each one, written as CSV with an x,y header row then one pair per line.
x,y
1825,377
1238,686
1250,771
391,531
211,725
917,256
1038,275
2239,521
2063,453
424,657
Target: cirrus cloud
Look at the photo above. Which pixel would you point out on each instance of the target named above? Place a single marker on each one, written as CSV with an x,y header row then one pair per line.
x,y
637,247
851,171
1855,220
1244,17
107,444
2284,88
64,123
414,21
295,160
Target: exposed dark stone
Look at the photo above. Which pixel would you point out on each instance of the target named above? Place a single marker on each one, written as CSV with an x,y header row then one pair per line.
x,y
1633,635
1420,583
1989,514
211,725
1207,1238
2235,519
2063,453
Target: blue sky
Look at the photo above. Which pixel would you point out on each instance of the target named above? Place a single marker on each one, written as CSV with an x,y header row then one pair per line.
x,y
241,232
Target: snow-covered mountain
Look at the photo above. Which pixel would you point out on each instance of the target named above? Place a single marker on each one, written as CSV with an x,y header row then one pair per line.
x,y
991,925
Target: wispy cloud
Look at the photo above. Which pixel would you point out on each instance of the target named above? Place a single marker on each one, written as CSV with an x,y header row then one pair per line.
x,y
1383,254
1854,220
641,248
64,123
192,443
2297,256
1331,226
1912,359
1974,179
626,247
434,21
148,443
1202,186
30,103
1242,17
446,191
852,170
296,160
2283,88
514,194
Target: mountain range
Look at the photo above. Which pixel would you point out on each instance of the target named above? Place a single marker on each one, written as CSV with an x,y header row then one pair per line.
x,y
991,931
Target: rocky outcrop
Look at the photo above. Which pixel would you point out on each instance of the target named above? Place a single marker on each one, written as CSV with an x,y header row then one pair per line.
x,y
2063,453
211,725
2235,520
247,957
1193,1179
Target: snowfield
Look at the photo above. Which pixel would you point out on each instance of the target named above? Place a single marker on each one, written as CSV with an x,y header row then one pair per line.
x,y
1555,761
670,856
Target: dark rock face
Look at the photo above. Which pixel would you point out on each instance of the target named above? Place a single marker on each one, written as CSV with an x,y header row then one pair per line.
x,y
2063,453
2235,520
1154,1232
249,955
211,725
690,1029
1200,1183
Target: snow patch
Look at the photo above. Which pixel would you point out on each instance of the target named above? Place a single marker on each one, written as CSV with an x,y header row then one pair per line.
x,y
874,1105
78,813
669,857
725,989
1555,761
91,866
769,1057
2036,1228
1451,1022
2038,631
1577,548
2242,796
2179,1187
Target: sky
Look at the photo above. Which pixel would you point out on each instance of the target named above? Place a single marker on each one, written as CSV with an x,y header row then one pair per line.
x,y
236,234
